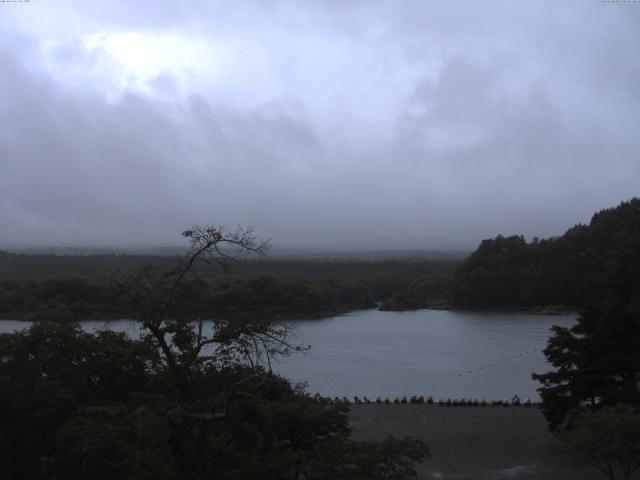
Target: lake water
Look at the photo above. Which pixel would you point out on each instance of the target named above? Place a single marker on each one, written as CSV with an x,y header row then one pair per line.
x,y
425,352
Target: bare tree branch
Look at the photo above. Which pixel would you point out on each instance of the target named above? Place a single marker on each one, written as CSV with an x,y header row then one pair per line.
x,y
247,340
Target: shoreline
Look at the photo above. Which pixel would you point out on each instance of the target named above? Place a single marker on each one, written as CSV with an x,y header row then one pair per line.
x,y
293,317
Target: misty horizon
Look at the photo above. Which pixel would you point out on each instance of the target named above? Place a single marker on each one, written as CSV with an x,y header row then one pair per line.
x,y
344,126
274,249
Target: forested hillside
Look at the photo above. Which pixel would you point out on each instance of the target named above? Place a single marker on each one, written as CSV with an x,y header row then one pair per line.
x,y
83,286
584,265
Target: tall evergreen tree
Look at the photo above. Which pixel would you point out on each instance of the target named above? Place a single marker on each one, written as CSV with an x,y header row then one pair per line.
x,y
597,362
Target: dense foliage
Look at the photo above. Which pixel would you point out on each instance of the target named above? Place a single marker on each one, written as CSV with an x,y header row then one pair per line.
x,y
75,405
78,298
597,362
607,439
584,265
178,403
81,287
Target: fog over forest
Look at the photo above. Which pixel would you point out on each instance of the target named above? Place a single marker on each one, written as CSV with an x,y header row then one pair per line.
x,y
339,124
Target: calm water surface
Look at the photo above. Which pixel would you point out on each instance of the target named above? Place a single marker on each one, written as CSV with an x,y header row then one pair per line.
x,y
425,352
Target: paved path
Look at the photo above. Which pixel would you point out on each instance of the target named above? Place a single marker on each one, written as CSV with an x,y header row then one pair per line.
x,y
479,443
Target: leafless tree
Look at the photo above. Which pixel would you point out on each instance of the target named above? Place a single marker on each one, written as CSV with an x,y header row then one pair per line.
x,y
183,341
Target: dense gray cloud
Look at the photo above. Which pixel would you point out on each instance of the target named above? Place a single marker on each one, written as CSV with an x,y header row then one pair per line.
x,y
344,124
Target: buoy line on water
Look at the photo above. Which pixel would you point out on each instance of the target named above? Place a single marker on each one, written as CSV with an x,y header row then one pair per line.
x,y
500,361
415,399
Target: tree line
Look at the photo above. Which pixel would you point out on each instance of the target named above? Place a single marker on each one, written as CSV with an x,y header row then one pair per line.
x,y
77,287
586,264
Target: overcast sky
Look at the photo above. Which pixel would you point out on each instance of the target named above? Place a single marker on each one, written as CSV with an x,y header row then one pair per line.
x,y
344,124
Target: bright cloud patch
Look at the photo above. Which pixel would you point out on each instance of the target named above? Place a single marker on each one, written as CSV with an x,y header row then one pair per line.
x,y
138,60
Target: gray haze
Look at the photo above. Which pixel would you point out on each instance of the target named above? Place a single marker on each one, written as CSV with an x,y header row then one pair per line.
x,y
340,124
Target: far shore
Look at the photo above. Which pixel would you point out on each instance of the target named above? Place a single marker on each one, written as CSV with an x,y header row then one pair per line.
x,y
541,311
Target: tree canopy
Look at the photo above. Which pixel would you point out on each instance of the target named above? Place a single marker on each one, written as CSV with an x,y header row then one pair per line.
x,y
608,439
597,362
177,403
585,265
